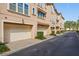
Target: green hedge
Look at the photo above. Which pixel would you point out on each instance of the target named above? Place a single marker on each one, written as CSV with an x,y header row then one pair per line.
x,y
77,32
58,32
40,35
3,48
53,33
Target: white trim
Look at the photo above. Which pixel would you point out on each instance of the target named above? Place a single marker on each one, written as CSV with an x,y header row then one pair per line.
x,y
2,30
16,7
35,11
28,9
23,8
8,6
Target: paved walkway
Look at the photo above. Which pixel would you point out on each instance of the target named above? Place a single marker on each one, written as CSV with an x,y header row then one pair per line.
x,y
64,45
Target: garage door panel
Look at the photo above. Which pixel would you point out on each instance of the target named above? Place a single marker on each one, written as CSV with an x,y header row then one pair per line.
x,y
14,32
20,36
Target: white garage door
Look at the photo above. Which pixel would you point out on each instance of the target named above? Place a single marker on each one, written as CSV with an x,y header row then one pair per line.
x,y
15,32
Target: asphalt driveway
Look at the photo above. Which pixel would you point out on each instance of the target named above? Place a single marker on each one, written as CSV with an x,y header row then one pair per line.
x,y
64,45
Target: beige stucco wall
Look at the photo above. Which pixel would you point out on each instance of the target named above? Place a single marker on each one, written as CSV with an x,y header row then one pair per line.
x,y
8,16
14,17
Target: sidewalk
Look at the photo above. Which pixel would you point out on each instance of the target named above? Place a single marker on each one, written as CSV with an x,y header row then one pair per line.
x,y
18,45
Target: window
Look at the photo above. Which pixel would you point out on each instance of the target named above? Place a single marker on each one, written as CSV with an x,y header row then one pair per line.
x,y
57,20
41,15
57,27
23,8
53,28
12,6
53,20
41,5
33,10
20,7
52,10
26,9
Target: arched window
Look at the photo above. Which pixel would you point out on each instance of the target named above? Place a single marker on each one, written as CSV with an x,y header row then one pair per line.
x,y
33,10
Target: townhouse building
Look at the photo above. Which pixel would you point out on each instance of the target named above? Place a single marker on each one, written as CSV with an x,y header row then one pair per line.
x,y
57,21
19,21
61,22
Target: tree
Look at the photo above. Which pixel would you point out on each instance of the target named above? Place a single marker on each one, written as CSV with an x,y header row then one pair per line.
x,y
73,25
70,25
77,25
67,25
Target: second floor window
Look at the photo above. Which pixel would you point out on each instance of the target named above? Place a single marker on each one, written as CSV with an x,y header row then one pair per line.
x,y
42,5
26,9
53,9
41,15
53,20
57,20
20,7
12,6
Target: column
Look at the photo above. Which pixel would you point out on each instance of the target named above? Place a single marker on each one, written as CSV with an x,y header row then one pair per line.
x,y
1,31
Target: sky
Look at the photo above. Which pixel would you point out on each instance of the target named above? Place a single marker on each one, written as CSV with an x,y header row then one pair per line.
x,y
70,11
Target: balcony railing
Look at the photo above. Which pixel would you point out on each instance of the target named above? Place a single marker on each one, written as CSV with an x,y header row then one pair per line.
x,y
43,18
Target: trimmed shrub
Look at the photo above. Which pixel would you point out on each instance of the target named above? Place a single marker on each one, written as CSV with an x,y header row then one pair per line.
x,y
40,35
77,32
3,48
58,32
2,43
53,33
62,31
